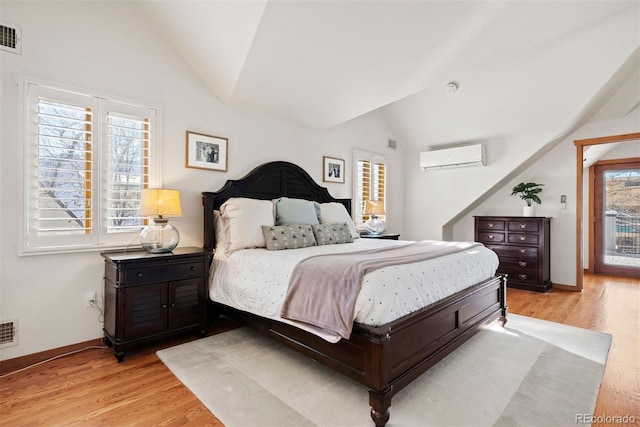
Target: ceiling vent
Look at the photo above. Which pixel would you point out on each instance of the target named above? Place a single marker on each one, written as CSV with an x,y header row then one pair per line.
x,y
11,38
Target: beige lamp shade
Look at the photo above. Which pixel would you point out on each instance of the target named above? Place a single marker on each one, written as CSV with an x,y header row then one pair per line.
x,y
160,203
374,207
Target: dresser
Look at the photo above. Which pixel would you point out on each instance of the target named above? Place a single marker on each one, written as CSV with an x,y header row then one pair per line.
x,y
149,296
523,247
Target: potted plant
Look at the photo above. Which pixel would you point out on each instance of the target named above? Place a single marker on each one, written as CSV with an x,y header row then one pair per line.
x,y
528,191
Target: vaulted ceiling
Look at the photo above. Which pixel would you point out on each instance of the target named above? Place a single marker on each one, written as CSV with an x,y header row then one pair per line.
x,y
521,66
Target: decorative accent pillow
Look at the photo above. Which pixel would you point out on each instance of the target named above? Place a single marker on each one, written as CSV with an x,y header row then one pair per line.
x,y
331,234
336,213
288,236
246,218
295,211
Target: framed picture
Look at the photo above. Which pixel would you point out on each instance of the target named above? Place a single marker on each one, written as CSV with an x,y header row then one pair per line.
x,y
332,170
207,152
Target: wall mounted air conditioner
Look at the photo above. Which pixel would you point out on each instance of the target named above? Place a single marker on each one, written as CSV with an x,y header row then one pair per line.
x,y
457,157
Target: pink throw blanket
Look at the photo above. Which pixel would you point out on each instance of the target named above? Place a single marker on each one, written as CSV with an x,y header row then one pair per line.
x,y
323,289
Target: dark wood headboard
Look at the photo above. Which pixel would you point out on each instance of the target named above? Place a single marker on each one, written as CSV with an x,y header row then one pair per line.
x,y
267,181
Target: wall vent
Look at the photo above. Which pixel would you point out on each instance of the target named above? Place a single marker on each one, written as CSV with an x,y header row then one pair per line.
x,y
392,144
8,332
10,38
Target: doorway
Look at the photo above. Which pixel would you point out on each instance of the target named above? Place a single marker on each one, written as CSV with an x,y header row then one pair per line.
x,y
616,213
580,147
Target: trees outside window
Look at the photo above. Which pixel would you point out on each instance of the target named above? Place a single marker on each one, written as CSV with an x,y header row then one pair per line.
x,y
88,158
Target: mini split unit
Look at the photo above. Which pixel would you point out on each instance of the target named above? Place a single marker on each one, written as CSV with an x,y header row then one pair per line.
x,y
457,157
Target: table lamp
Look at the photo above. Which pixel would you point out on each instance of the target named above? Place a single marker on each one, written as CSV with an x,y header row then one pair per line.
x,y
159,203
373,208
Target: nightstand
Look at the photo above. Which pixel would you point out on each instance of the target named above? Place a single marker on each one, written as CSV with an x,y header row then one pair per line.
x,y
150,296
388,236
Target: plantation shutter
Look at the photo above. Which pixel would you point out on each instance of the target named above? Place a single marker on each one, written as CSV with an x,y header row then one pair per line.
x,y
64,200
127,170
370,185
87,160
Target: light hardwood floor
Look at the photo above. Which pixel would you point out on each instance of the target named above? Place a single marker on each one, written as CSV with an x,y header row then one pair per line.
x,y
92,389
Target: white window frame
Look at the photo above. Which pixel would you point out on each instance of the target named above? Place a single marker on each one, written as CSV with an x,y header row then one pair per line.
x,y
358,204
98,238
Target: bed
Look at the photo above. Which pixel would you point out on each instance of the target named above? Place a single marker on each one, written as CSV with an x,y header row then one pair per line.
x,y
385,357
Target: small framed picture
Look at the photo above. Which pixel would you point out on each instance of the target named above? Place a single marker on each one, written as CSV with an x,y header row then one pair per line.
x,y
332,170
207,152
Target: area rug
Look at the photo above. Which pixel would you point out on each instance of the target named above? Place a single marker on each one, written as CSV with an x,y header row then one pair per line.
x,y
529,373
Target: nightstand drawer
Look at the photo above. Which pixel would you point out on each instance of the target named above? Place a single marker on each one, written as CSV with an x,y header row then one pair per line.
x,y
163,273
488,237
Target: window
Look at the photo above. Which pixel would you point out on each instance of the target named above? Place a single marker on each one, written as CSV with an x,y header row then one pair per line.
x,y
370,183
88,158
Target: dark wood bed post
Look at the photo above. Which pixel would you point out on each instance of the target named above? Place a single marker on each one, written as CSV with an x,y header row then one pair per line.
x,y
504,309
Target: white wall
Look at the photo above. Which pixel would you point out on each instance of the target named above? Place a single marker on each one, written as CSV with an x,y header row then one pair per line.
x,y
557,170
109,48
433,198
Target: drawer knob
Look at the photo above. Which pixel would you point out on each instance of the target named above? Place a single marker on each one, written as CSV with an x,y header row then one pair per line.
x,y
193,268
522,276
523,251
522,263
523,238
490,237
523,226
140,275
490,225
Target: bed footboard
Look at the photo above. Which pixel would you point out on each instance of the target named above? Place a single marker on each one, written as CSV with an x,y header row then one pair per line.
x,y
388,358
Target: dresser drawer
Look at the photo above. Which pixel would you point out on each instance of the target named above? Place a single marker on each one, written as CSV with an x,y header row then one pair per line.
x,y
163,273
520,276
524,239
514,251
519,265
486,224
489,237
524,226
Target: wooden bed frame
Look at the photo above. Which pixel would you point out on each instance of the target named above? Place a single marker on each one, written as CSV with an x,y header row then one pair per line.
x,y
384,358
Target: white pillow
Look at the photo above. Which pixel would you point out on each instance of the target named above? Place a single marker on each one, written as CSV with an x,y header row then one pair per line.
x,y
221,227
246,218
336,213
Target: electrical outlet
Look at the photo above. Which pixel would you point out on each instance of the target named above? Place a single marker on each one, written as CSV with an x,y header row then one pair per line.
x,y
90,298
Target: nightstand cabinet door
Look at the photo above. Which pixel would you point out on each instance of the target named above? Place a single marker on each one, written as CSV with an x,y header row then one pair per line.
x,y
145,310
523,247
186,303
150,296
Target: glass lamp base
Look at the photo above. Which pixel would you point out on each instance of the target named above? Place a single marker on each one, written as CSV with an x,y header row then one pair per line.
x,y
159,237
374,225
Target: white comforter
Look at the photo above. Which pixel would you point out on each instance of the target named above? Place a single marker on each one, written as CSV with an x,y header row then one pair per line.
x,y
256,280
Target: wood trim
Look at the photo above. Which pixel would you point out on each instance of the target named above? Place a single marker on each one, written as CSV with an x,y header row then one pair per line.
x,y
562,287
11,365
580,144
591,219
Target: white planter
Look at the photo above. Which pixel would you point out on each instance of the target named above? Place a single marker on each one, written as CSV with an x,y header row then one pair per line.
x,y
529,211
